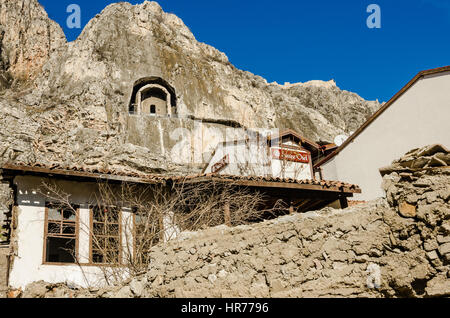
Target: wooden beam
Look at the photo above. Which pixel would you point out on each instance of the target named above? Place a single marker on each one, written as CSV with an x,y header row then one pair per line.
x,y
304,203
270,184
344,202
319,205
315,205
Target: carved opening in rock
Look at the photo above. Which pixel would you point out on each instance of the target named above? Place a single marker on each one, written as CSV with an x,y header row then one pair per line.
x,y
154,101
153,96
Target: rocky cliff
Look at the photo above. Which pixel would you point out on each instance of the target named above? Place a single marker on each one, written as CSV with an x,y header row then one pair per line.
x,y
27,39
67,103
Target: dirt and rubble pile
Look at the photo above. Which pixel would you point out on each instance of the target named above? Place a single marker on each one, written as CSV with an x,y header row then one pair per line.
x,y
399,247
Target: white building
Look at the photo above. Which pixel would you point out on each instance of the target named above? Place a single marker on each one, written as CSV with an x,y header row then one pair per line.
x,y
64,230
285,156
418,115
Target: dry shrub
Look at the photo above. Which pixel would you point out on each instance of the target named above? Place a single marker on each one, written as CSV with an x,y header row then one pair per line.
x,y
159,214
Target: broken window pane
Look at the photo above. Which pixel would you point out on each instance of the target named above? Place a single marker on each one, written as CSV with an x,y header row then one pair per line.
x,y
54,214
60,250
69,215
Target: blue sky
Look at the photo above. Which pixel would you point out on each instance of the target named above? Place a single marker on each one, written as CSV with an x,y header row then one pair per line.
x,y
297,40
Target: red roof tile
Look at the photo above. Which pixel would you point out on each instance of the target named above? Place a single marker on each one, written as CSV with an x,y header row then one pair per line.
x,y
99,173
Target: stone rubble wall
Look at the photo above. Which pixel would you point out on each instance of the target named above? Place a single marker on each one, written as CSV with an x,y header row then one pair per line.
x,y
319,254
4,252
6,200
418,187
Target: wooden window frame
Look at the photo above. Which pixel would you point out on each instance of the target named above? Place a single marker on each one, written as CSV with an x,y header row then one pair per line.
x,y
91,240
77,225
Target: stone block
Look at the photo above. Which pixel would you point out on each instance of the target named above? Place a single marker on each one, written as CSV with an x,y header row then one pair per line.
x,y
441,239
407,210
432,255
438,287
430,245
444,249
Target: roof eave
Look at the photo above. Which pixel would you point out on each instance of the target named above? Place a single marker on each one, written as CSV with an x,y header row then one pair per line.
x,y
381,111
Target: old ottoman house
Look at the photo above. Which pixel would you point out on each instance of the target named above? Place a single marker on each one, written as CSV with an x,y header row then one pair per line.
x,y
418,115
56,243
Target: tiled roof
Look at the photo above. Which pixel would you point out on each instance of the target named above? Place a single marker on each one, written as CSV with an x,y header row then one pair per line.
x,y
99,173
78,171
268,179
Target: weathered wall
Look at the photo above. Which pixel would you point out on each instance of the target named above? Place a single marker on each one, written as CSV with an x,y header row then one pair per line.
x,y
4,251
255,158
6,200
417,118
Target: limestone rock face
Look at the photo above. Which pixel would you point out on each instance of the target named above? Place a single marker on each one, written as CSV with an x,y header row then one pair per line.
x,y
126,43
84,88
27,38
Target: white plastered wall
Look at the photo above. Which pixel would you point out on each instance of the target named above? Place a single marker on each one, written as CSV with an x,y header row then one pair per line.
x,y
28,265
420,117
256,160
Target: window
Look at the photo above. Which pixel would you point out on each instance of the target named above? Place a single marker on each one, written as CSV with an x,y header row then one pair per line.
x,y
153,109
61,228
105,238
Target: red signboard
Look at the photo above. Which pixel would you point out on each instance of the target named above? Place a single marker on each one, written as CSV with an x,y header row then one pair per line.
x,y
290,155
222,164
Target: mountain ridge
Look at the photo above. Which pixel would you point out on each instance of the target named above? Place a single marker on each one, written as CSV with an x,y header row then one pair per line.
x,y
89,83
